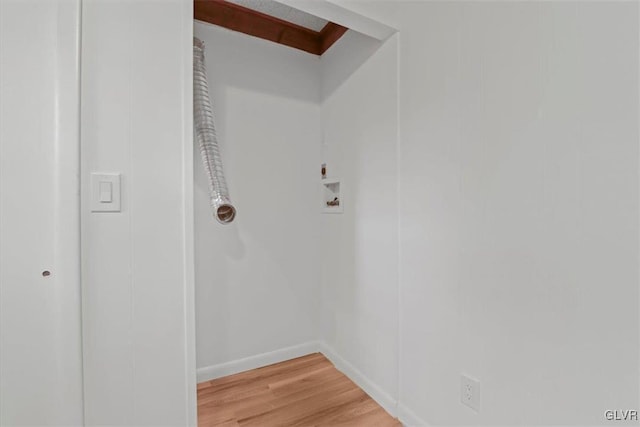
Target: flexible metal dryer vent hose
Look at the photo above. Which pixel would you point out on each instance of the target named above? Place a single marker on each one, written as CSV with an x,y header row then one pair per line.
x,y
223,210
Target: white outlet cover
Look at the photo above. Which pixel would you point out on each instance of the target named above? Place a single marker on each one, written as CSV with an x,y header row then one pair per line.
x,y
470,392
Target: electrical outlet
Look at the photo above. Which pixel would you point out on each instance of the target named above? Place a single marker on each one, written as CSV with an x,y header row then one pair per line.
x,y
470,392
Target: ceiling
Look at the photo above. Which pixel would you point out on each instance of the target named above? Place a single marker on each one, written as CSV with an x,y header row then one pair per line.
x,y
284,12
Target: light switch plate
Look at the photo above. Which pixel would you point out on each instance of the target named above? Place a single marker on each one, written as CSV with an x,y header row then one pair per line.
x,y
105,192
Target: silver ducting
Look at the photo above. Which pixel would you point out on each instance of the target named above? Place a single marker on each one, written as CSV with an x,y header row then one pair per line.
x,y
205,131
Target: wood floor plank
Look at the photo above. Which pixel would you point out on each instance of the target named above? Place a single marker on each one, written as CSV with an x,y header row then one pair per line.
x,y
376,418
286,411
304,392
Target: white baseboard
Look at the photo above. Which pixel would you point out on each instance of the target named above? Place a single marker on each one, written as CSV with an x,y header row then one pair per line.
x,y
408,418
212,372
373,390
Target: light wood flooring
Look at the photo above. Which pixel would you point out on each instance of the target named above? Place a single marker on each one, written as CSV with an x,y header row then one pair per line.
x,y
307,391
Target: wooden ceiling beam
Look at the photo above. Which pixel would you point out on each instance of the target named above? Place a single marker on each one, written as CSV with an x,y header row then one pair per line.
x,y
330,34
254,23
257,24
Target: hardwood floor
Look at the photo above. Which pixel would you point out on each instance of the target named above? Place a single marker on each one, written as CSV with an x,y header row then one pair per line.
x,y
307,391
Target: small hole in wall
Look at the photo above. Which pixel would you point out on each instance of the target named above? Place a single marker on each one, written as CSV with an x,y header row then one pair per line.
x,y
46,273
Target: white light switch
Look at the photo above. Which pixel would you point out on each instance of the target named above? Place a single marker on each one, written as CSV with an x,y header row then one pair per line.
x,y
105,192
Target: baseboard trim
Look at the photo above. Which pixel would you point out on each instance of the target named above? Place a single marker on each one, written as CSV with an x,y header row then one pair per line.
x,y
373,390
212,372
408,418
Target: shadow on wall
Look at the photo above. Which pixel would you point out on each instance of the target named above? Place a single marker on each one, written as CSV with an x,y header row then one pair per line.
x,y
257,279
332,69
235,58
360,247
344,58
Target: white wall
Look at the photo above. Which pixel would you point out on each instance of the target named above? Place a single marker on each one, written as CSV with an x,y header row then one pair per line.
x,y
359,259
519,210
136,120
40,338
258,278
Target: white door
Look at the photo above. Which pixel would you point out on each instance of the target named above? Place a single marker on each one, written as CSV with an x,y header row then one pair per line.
x,y
40,314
